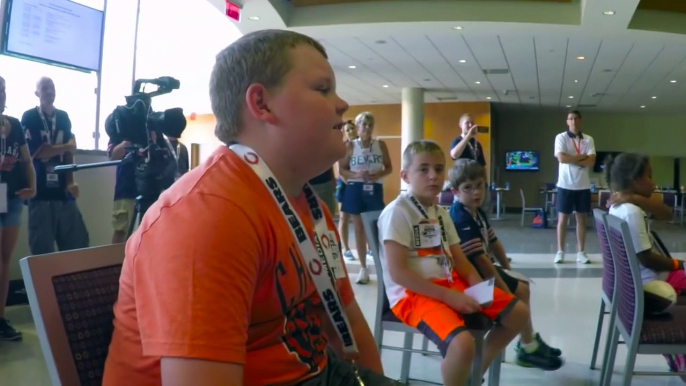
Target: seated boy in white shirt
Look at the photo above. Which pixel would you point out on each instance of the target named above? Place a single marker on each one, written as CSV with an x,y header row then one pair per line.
x,y
426,272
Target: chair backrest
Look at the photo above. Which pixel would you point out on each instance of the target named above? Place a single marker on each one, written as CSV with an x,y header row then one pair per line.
x,y
446,198
371,230
629,288
669,199
521,194
603,198
71,295
608,262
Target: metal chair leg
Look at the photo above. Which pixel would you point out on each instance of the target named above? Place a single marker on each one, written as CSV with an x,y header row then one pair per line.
x,y
598,330
425,344
609,365
494,370
407,358
629,367
478,358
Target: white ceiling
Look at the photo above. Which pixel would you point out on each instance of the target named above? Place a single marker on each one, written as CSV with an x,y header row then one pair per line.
x,y
413,44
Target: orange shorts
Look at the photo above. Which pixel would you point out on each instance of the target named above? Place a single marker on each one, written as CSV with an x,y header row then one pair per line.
x,y
440,323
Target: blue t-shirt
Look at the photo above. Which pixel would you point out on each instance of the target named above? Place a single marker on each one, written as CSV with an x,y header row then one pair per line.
x,y
11,164
38,132
475,235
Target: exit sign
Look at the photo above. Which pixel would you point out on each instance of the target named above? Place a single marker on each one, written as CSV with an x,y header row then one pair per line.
x,y
233,11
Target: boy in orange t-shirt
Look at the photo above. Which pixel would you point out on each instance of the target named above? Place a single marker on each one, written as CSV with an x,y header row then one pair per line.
x,y
215,289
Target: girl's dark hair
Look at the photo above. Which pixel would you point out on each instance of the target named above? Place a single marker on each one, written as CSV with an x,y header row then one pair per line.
x,y
622,170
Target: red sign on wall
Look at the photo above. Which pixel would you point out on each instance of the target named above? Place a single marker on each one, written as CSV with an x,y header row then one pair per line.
x,y
233,11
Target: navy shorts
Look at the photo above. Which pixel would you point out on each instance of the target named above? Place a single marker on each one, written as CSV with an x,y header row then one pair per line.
x,y
358,199
568,201
13,216
340,189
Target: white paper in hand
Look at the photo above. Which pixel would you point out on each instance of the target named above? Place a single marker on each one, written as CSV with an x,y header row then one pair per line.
x,y
3,198
482,292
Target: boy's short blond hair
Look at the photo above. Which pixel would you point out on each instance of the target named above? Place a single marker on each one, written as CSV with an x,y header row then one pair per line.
x,y
419,147
259,57
464,170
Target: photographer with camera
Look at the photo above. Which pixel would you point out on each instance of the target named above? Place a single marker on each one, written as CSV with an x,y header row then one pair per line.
x,y
54,216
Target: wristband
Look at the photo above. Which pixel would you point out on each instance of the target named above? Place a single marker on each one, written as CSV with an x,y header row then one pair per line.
x,y
676,264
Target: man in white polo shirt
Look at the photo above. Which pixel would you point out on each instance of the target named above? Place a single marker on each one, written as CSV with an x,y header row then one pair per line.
x,y
576,153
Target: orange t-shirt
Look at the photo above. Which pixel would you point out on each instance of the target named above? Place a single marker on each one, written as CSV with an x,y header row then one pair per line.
x,y
214,273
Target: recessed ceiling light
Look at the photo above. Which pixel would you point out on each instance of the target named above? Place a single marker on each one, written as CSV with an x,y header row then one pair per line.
x,y
571,97
609,13
353,67
462,61
385,86
477,82
576,80
643,107
457,27
654,97
672,81
581,57
489,98
254,17
568,106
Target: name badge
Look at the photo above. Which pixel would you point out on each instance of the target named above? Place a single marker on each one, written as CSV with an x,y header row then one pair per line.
x,y
336,262
52,180
368,189
429,235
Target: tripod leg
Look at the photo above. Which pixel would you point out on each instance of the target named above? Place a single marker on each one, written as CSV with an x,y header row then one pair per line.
x,y
134,219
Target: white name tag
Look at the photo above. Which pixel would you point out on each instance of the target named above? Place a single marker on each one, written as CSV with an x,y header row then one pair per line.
x,y
336,262
429,235
52,177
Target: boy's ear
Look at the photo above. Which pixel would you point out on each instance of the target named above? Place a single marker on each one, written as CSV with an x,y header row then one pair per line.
x,y
403,176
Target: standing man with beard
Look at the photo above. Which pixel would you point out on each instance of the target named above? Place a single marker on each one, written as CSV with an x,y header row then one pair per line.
x,y
54,216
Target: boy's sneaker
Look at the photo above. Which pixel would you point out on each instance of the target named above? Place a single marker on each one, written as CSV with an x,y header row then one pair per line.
x,y
559,257
7,332
349,255
369,253
542,344
362,276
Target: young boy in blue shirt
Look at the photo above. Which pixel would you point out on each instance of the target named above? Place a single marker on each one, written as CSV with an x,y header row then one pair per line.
x,y
425,271
482,248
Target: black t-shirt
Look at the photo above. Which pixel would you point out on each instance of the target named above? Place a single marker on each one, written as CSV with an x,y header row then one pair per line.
x,y
39,131
12,170
468,152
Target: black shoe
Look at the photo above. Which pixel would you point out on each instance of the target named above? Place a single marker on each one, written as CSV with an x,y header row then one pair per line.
x,y
7,332
551,350
539,358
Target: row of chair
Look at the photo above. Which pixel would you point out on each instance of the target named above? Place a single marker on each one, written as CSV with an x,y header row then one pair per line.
x,y
623,301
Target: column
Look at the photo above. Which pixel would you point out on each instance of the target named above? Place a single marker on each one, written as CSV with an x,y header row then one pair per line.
x,y
412,124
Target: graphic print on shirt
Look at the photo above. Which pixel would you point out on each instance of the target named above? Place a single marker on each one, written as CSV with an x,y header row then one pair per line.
x,y
299,303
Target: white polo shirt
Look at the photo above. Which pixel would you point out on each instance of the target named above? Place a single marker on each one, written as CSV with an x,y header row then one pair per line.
x,y
573,177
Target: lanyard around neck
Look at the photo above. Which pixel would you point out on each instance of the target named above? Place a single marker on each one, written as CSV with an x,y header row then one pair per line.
x,y
52,131
317,254
474,148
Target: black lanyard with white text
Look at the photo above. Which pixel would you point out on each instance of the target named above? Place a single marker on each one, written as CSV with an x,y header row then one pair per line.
x,y
317,254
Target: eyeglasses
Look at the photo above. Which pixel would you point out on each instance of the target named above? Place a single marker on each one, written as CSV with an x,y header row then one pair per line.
x,y
473,189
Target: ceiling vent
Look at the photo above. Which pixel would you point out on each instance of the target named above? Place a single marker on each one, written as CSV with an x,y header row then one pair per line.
x,y
585,106
497,71
597,94
444,99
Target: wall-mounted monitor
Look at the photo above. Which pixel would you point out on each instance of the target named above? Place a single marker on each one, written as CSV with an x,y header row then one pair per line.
x,y
59,32
600,156
526,160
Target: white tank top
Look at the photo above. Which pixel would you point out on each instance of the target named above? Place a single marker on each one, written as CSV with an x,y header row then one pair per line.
x,y
370,160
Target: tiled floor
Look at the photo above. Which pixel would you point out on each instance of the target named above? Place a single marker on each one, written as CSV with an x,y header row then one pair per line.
x,y
565,302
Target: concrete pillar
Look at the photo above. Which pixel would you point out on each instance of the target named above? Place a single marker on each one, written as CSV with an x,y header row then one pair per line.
x,y
412,124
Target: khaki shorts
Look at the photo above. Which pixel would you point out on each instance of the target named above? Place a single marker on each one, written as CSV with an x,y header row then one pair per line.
x,y
122,214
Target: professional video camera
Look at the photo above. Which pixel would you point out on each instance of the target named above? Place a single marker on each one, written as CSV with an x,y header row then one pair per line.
x,y
150,152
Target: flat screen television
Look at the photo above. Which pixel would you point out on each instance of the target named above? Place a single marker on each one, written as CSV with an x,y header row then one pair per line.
x,y
522,160
59,32
600,156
